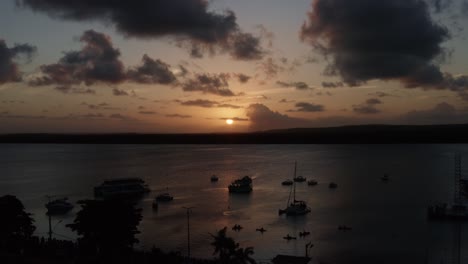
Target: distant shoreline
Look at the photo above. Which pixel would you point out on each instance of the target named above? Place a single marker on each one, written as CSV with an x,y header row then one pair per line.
x,y
363,134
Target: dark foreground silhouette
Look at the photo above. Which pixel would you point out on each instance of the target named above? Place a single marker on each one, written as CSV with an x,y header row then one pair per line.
x,y
106,230
330,135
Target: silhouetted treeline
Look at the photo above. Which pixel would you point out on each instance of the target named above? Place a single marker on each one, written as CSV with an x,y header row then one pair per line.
x,y
106,229
330,135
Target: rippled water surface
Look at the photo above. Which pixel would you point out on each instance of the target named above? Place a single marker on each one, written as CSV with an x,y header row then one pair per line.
x,y
388,219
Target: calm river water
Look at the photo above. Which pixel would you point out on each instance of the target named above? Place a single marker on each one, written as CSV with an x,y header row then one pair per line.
x,y
388,219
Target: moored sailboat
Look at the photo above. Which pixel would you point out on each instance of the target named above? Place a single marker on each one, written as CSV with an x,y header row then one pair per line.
x,y
295,207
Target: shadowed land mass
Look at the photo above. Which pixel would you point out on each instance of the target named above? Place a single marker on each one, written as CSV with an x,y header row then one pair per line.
x,y
330,135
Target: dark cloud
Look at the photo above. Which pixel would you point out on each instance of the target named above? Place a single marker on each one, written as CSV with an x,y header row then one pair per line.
x,y
9,71
242,78
368,107
12,102
101,106
328,93
147,112
187,21
373,101
440,5
262,118
270,67
209,83
385,40
85,116
98,61
178,116
382,94
297,85
118,92
7,114
152,72
464,8
74,90
285,101
207,104
332,84
442,113
229,106
307,107
119,116
200,103
246,47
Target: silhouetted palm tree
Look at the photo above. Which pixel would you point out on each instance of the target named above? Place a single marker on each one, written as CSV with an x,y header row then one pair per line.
x,y
229,251
243,256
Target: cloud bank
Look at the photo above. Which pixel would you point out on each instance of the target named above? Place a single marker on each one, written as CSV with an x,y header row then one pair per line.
x,y
189,22
365,40
9,71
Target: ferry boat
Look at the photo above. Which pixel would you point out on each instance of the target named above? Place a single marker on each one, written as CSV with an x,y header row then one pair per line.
x,y
243,185
124,187
59,206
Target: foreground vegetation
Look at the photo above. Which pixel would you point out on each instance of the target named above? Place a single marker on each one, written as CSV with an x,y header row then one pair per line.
x,y
107,233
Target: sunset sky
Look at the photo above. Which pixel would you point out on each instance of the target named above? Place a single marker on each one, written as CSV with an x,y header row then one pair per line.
x,y
188,65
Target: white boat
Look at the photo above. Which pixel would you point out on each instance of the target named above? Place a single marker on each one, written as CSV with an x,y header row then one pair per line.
x,y
243,185
59,206
124,187
294,207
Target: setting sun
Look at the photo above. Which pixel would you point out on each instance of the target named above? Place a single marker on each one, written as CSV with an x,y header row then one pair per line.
x,y
229,121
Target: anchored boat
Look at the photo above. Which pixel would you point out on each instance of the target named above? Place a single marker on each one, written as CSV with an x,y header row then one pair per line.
x,y
120,188
294,207
243,185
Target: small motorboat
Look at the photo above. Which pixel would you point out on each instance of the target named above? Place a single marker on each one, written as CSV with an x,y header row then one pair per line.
x,y
214,178
288,237
59,206
287,182
261,230
312,183
164,197
237,227
385,177
332,185
299,179
304,233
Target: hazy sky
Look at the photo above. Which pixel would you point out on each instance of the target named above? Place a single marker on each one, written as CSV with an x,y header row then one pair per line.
x,y
188,65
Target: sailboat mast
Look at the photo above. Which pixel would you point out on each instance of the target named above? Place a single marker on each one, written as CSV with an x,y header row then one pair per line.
x,y
294,182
